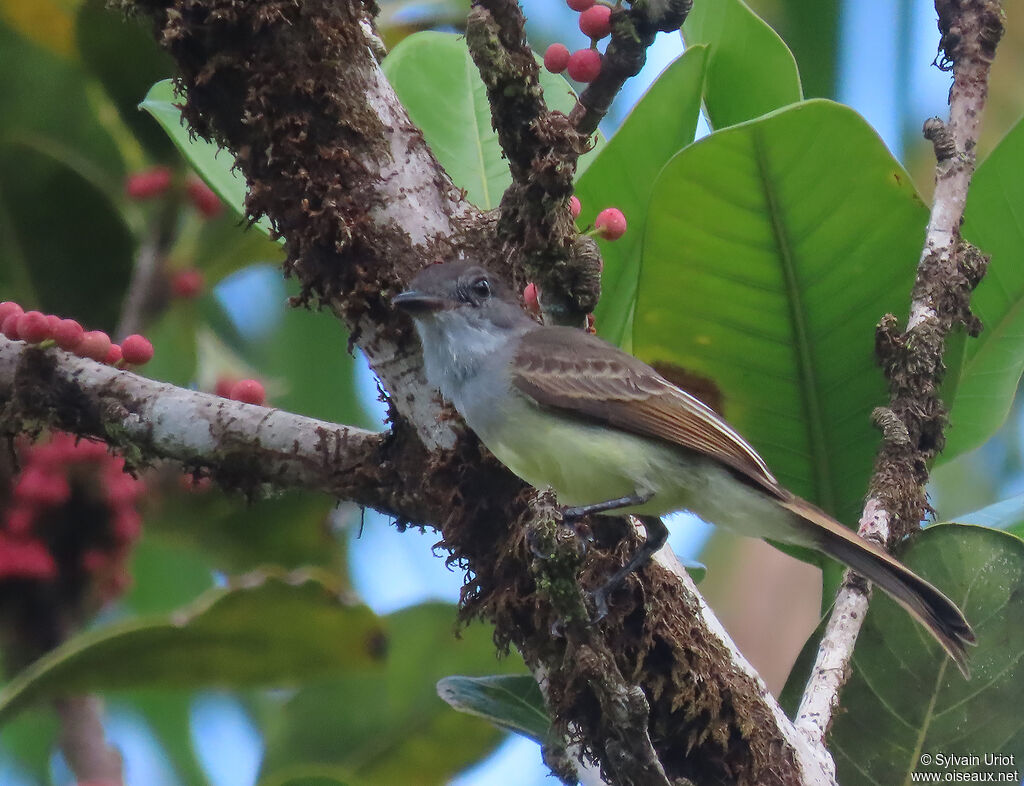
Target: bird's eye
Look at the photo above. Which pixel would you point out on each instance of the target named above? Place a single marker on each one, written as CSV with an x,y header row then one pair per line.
x,y
481,288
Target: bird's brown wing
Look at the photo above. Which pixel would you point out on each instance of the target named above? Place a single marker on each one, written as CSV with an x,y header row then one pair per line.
x,y
570,371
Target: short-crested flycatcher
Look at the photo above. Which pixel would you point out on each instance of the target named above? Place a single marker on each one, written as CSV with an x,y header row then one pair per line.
x,y
566,410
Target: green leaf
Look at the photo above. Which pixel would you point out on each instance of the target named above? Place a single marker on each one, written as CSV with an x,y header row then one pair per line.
x,y
173,336
225,246
441,89
64,247
391,727
30,741
126,59
512,702
214,165
751,70
289,529
622,174
165,576
771,251
979,398
811,29
307,776
46,105
905,698
263,630
323,389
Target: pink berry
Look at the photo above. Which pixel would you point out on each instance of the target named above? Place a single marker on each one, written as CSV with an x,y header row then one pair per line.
x,y
595,22
9,307
248,391
575,207
187,284
203,198
530,298
610,223
94,345
9,327
136,349
113,356
579,5
223,386
147,183
33,327
556,58
68,334
585,65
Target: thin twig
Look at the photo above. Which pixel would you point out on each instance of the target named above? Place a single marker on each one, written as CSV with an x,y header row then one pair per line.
x,y
633,32
140,298
84,743
947,272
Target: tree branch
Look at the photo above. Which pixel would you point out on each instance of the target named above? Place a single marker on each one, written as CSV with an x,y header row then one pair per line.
x,y
242,446
633,32
948,270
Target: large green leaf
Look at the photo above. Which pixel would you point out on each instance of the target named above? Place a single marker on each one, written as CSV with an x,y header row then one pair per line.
x,y
441,89
214,165
511,701
751,70
771,251
263,630
905,698
391,727
811,29
64,246
979,397
661,123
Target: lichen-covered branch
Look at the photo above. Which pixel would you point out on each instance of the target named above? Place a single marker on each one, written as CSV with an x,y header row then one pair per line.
x,y
542,148
948,270
241,445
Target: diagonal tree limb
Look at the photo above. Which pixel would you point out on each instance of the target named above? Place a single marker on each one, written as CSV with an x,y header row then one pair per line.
x,y
948,270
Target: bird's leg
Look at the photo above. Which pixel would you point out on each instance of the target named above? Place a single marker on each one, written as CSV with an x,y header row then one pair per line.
x,y
657,534
569,514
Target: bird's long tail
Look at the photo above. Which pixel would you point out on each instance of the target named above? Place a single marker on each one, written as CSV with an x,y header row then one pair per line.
x,y
942,618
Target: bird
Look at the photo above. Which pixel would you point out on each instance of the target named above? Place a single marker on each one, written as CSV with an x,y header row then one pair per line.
x,y
566,410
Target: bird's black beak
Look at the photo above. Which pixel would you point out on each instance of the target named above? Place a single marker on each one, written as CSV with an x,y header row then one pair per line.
x,y
415,302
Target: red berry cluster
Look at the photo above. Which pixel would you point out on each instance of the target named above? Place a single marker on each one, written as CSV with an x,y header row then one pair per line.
x,y
583,65
248,391
158,180
34,327
70,515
